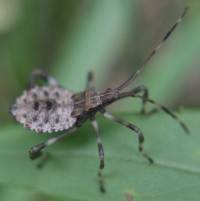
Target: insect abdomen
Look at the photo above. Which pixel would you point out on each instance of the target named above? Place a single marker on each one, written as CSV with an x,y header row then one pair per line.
x,y
45,109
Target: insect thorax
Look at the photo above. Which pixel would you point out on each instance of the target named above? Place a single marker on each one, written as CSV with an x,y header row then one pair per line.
x,y
89,102
45,109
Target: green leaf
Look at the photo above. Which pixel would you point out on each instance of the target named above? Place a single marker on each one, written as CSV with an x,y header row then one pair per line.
x,y
71,171
22,194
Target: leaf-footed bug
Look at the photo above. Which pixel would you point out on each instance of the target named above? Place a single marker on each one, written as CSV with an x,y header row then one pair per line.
x,y
53,108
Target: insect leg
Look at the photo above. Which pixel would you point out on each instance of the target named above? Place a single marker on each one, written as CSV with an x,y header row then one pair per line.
x,y
134,128
145,94
35,151
101,154
131,94
39,73
90,81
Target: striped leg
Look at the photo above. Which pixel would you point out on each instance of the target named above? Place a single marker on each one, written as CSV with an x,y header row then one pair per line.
x,y
145,94
131,94
90,81
134,128
101,154
35,151
39,73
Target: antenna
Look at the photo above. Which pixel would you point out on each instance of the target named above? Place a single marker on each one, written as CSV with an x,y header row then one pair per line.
x,y
153,52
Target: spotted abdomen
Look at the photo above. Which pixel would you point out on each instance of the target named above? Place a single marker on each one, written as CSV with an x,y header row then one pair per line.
x,y
45,109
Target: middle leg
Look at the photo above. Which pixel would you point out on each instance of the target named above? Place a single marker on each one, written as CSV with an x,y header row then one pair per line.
x,y
135,129
101,153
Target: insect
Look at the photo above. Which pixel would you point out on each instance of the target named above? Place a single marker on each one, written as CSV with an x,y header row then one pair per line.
x,y
52,108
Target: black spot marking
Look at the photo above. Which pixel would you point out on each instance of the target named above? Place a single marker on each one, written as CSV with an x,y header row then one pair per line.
x,y
57,120
34,118
36,105
57,95
46,93
49,105
46,119
34,95
24,115
40,125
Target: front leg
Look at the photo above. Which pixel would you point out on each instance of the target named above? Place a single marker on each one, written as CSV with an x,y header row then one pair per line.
x,y
159,106
145,94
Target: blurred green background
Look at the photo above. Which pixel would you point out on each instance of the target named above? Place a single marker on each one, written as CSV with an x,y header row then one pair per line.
x,y
110,37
